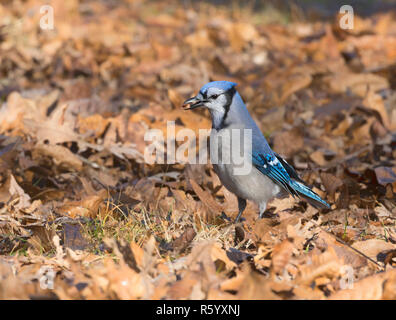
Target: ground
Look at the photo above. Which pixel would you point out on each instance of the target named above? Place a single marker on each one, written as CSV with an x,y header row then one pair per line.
x,y
84,216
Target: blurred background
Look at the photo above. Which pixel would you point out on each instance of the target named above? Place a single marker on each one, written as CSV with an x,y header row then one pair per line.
x,y
81,82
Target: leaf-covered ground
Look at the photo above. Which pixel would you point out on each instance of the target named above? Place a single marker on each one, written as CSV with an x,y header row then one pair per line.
x,y
78,203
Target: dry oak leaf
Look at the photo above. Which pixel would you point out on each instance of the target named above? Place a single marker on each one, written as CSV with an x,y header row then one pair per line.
x,y
199,39
240,34
255,286
95,124
331,183
60,155
349,256
86,207
373,247
234,283
182,242
204,260
216,294
375,287
11,189
325,264
283,204
293,83
55,129
357,83
306,292
207,199
14,286
182,288
175,98
281,255
201,266
282,143
318,157
386,175
18,108
374,101
389,292
124,282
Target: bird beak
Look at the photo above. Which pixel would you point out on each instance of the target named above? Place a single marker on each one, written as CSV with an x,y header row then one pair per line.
x,y
194,102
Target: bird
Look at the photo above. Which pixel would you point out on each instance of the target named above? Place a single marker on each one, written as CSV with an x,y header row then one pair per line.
x,y
270,176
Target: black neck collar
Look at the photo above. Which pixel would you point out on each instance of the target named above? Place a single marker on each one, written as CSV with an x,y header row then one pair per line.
x,y
229,96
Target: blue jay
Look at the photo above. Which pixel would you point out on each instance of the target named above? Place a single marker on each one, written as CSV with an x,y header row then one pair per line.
x,y
270,175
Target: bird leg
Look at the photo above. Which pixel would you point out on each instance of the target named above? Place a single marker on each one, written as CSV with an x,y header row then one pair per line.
x,y
262,207
241,207
264,214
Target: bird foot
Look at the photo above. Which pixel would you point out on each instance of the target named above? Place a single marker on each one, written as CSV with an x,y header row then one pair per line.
x,y
267,214
239,219
225,217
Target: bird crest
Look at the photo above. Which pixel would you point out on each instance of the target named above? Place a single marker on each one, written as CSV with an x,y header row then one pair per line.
x,y
223,85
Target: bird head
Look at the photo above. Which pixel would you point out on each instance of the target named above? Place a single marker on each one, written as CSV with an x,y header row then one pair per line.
x,y
215,96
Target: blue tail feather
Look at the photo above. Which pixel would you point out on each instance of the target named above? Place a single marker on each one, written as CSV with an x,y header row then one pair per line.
x,y
283,174
311,196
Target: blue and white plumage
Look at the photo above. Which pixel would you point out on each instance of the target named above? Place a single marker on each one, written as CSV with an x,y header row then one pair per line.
x,y
270,175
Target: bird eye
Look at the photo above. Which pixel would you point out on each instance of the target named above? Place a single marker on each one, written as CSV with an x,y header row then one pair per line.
x,y
214,96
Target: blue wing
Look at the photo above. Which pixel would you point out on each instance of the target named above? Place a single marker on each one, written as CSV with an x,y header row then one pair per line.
x,y
270,165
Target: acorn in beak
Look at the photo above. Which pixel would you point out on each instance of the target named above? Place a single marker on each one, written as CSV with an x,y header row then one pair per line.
x,y
193,102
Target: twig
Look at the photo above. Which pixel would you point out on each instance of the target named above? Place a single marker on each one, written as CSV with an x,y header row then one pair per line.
x,y
344,243
356,250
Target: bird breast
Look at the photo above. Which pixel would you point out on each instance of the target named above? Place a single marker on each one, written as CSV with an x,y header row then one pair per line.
x,y
236,172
